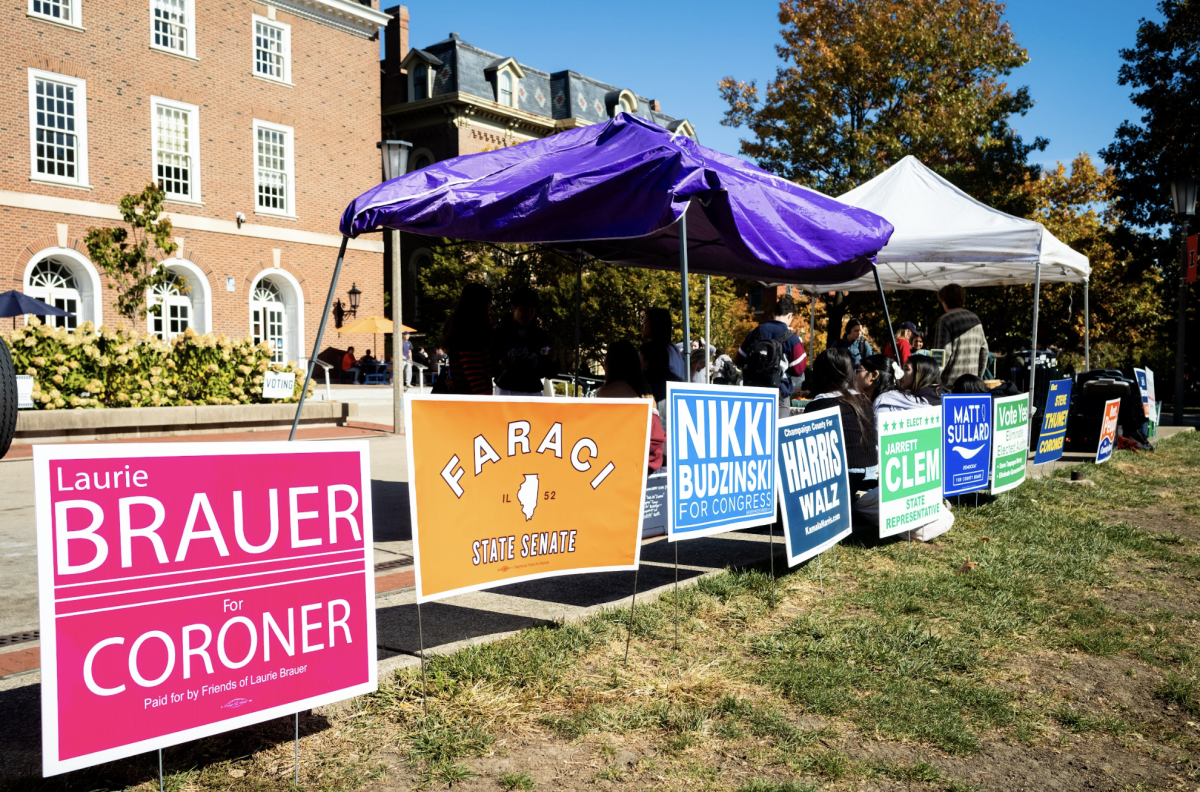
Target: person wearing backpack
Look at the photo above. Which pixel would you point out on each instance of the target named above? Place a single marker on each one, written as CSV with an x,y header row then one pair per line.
x,y
772,353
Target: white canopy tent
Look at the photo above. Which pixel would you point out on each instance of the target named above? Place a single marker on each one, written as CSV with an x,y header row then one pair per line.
x,y
945,236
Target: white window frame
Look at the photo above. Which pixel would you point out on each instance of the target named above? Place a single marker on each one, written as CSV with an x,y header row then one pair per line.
x,y
189,40
286,29
81,158
290,163
193,146
412,82
75,10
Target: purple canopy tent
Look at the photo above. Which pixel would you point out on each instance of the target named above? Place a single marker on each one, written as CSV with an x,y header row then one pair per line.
x,y
627,192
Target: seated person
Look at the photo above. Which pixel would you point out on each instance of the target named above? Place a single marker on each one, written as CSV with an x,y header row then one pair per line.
x,y
367,359
350,367
922,380
623,379
969,383
835,373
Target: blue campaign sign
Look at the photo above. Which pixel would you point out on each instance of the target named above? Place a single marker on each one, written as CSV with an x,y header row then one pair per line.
x,y
814,483
1054,423
966,441
720,458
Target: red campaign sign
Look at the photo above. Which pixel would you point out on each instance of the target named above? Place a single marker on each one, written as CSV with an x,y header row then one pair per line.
x,y
187,589
1192,244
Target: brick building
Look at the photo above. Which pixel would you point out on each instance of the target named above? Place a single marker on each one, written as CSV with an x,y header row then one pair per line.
x,y
259,121
452,98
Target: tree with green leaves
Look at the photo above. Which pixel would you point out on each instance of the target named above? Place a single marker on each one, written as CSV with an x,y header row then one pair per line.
x,y
125,255
1163,69
866,82
612,300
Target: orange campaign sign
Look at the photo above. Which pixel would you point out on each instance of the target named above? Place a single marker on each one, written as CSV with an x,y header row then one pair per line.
x,y
506,489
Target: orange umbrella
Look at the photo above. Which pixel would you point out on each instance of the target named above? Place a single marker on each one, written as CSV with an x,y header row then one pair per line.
x,y
374,325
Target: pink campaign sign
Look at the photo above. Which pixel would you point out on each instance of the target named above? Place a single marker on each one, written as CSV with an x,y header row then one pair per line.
x,y
187,589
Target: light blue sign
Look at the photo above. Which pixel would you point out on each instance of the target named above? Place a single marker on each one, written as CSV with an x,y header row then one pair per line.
x,y
814,483
720,457
966,442
1054,423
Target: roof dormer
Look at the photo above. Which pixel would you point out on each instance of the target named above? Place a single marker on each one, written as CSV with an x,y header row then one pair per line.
x,y
622,101
683,127
421,67
506,75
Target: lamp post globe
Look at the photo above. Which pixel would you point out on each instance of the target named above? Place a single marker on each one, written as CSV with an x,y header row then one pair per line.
x,y
395,157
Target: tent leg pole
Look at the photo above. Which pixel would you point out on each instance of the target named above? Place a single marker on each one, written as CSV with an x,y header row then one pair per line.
x,y
397,336
312,361
687,357
887,317
1037,289
578,308
1087,330
683,282
812,320
707,327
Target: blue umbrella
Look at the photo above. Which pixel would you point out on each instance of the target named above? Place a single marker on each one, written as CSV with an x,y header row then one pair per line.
x,y
14,304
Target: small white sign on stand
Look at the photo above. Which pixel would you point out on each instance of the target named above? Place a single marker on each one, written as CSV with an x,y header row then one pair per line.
x,y
278,385
24,392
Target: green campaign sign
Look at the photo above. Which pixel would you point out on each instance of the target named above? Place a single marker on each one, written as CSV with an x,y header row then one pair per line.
x,y
910,469
1010,441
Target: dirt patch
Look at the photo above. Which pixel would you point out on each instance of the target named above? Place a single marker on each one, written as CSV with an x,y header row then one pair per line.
x,y
1161,518
1096,686
1100,763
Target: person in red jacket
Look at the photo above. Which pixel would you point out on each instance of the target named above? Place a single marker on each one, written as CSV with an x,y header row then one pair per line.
x,y
350,366
904,338
623,379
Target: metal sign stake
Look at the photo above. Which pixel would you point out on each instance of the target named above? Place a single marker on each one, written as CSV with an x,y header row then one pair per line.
x,y
160,776
421,642
297,747
632,604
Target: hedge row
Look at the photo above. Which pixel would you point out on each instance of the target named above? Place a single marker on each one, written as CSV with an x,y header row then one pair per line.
x,y
114,367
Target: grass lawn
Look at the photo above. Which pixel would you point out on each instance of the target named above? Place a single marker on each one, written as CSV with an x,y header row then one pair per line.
x,y
1064,658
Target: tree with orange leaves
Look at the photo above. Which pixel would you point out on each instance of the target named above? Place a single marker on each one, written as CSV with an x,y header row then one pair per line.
x,y
865,82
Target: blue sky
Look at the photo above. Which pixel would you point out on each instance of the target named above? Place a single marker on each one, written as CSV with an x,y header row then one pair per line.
x,y
676,53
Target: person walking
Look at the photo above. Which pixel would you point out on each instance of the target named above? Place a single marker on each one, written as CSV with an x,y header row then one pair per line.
x,y
469,342
960,334
772,352
854,342
523,348
406,358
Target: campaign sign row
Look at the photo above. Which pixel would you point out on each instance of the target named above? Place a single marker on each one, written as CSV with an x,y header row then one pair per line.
x,y
190,588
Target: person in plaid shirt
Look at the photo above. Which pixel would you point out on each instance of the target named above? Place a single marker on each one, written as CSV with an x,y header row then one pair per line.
x,y
960,334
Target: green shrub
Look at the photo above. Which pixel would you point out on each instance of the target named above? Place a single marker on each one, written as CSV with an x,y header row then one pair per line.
x,y
115,367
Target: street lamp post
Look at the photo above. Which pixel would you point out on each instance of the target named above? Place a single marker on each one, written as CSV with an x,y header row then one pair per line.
x,y
1183,196
395,164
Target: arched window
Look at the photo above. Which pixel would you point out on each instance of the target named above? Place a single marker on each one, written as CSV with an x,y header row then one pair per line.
x,y
174,308
626,105
420,82
268,319
421,161
506,89
53,283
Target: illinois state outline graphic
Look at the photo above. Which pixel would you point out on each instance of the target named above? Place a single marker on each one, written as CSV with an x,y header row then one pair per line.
x,y
527,495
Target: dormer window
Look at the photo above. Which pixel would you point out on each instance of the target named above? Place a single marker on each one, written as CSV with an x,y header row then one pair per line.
x,y
506,75
622,101
506,89
420,82
421,67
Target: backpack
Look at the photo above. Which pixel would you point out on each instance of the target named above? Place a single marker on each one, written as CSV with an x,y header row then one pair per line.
x,y
765,360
